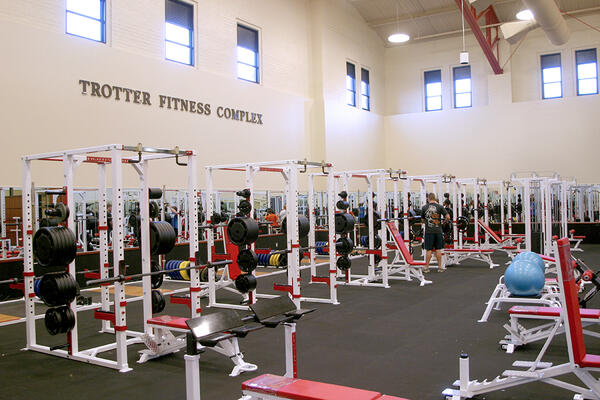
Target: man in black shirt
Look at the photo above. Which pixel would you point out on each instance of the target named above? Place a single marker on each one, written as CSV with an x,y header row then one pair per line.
x,y
431,214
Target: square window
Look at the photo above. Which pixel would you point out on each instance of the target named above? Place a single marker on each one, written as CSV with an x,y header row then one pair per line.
x,y
587,86
552,90
86,18
463,100
434,103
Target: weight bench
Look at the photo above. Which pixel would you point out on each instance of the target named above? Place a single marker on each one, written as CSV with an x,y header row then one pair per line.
x,y
579,362
575,239
163,342
267,387
519,335
509,244
403,263
455,256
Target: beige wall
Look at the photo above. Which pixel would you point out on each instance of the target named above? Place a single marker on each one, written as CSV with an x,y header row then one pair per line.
x,y
508,128
46,110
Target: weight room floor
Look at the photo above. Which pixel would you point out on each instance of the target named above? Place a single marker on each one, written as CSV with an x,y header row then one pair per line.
x,y
401,341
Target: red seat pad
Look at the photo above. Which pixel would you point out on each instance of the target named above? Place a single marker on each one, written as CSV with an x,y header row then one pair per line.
x,y
299,389
469,250
590,360
546,258
168,320
590,313
386,397
578,237
551,280
509,247
267,383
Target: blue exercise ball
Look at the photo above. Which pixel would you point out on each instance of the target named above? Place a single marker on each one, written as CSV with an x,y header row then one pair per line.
x,y
532,257
524,278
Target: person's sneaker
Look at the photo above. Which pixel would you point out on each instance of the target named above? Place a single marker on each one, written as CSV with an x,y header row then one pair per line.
x,y
441,269
426,270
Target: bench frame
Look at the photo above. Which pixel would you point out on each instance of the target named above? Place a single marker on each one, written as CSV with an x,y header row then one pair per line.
x,y
580,364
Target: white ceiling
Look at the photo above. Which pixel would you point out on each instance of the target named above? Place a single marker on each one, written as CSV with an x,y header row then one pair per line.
x,y
423,18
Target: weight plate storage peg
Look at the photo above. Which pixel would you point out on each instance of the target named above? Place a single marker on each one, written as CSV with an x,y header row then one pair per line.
x,y
162,237
343,263
344,223
59,320
247,260
54,246
245,283
158,302
242,230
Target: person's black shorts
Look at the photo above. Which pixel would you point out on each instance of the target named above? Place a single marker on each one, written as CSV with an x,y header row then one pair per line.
x,y
433,241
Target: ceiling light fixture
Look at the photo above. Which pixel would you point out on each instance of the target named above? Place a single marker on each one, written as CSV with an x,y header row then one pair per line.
x,y
398,37
525,15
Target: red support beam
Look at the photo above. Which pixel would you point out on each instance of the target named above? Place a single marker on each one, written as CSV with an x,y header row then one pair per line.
x,y
486,46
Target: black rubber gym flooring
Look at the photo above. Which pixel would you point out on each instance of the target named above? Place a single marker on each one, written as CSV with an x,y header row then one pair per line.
x,y
402,341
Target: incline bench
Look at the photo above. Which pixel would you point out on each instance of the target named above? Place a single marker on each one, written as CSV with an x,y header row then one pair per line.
x,y
407,266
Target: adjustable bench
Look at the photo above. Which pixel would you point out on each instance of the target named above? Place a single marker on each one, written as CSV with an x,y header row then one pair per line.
x,y
508,244
575,239
267,387
163,342
403,262
519,335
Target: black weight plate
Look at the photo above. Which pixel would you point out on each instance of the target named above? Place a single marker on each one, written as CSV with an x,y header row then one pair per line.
x,y
247,260
153,209
216,218
134,221
67,318
245,283
162,237
158,302
344,223
154,193
156,280
343,263
43,246
303,226
242,231
344,245
204,275
53,321
245,207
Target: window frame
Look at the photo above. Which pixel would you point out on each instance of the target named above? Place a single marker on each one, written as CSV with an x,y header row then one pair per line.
x,y
258,67
454,93
354,102
192,46
425,97
577,71
102,21
368,95
562,80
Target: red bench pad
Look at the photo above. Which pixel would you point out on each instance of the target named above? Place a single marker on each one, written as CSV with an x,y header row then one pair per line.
x,y
590,360
578,237
300,389
590,313
469,250
386,397
170,321
509,247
